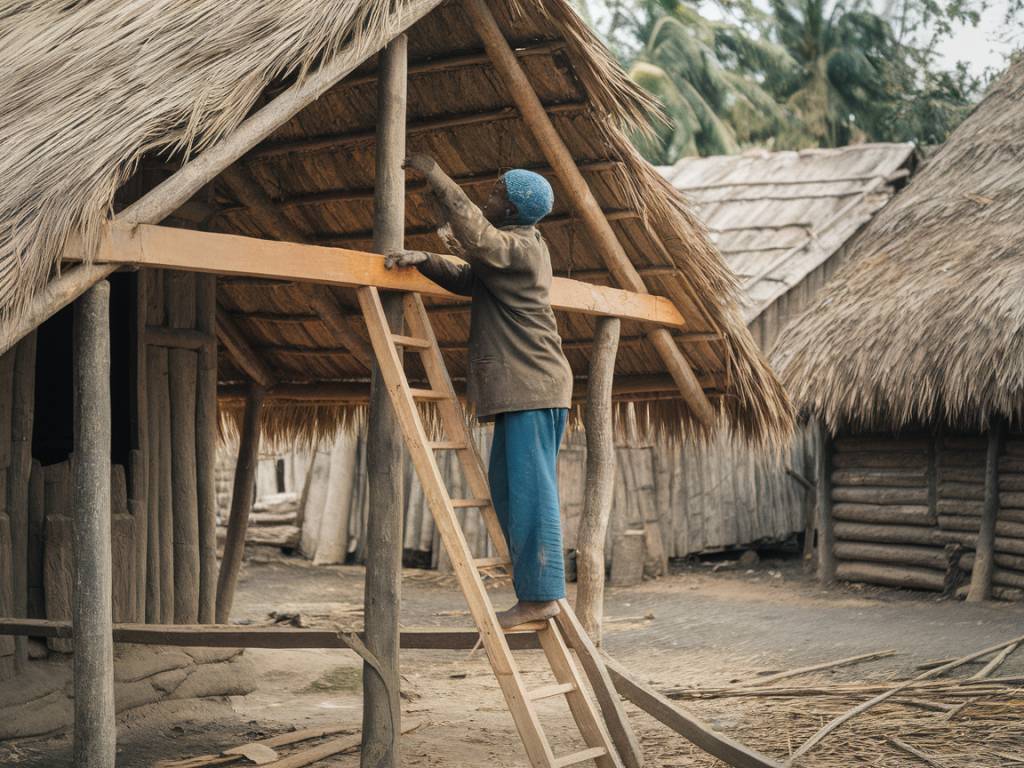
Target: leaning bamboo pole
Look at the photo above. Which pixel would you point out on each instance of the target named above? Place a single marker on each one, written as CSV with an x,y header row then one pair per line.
x,y
95,735
582,199
382,593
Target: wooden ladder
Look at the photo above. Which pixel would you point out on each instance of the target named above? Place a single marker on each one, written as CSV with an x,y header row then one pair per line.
x,y
601,737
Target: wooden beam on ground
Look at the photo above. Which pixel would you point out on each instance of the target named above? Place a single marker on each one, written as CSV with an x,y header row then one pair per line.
x,y
164,199
95,734
279,226
984,554
241,502
171,248
702,735
384,444
581,198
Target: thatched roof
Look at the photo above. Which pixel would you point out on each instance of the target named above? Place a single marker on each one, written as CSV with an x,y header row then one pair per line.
x,y
777,216
925,323
110,98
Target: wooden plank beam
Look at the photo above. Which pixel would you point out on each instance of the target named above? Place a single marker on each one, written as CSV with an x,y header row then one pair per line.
x,y
581,198
170,248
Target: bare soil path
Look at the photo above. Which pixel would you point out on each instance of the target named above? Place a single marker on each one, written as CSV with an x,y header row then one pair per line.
x,y
693,627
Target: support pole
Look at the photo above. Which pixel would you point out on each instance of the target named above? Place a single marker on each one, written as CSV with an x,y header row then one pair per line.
x,y
381,706
984,553
206,446
597,501
582,200
241,503
823,481
22,410
95,733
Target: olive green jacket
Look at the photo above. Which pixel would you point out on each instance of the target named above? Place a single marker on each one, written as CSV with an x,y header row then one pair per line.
x,y
515,353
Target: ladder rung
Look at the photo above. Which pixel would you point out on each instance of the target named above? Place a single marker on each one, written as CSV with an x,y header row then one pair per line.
x,y
469,503
447,445
579,757
409,341
428,394
550,690
530,626
492,562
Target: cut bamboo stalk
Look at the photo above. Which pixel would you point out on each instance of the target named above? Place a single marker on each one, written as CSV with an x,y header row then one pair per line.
x,y
18,474
241,503
182,371
381,706
599,490
581,199
206,447
768,679
95,733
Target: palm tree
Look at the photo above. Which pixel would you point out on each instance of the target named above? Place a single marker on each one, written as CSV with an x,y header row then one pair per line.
x,y
708,75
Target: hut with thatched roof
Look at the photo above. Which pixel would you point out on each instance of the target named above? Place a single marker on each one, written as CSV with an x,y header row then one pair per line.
x,y
191,194
784,222
911,363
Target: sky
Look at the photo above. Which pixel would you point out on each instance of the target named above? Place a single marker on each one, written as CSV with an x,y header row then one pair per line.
x,y
985,46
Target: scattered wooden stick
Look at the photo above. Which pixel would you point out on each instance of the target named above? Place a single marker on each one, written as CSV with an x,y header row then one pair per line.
x,y
957,709
329,749
836,722
227,757
825,665
993,665
902,745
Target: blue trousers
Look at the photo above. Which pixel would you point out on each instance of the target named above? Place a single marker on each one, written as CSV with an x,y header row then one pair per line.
x,y
524,487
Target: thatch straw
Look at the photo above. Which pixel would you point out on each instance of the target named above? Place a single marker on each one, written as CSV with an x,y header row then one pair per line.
x,y
925,323
96,87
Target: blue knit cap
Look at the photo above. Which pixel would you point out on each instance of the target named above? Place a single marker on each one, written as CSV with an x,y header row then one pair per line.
x,y
530,193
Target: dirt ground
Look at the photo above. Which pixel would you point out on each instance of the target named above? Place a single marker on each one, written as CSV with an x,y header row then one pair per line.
x,y
694,627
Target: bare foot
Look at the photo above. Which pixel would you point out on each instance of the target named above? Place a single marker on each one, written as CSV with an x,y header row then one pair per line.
x,y
524,612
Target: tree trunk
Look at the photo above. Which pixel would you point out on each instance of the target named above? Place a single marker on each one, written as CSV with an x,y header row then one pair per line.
x,y
600,485
95,734
241,503
981,575
332,545
381,709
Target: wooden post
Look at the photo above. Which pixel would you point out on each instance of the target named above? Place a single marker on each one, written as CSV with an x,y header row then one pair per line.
x,y
332,543
582,199
241,503
984,553
138,461
600,485
95,734
823,481
382,595
23,399
206,447
183,365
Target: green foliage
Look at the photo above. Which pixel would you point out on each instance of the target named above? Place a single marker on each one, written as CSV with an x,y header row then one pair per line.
x,y
797,73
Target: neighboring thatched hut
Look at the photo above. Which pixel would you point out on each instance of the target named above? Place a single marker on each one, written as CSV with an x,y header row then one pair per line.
x,y
783,221
258,120
913,362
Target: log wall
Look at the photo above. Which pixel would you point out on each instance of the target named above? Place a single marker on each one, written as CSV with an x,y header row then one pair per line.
x,y
907,510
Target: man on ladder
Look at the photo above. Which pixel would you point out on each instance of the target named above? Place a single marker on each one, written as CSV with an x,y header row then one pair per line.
x,y
518,375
